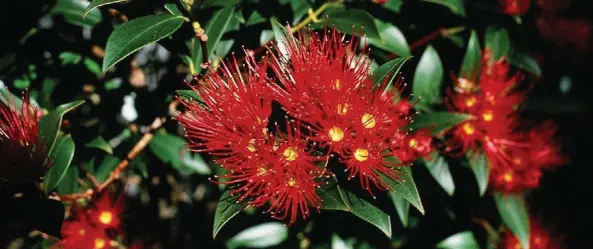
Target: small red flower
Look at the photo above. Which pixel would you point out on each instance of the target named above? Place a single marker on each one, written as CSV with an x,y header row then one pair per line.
x,y
418,145
79,234
515,7
539,238
23,152
107,211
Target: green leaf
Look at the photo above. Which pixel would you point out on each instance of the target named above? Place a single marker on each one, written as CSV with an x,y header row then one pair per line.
x,y
49,125
299,9
69,184
355,20
112,84
101,144
405,186
498,41
260,236
172,8
137,33
266,36
392,39
226,209
73,11
193,164
513,211
62,154
438,122
98,3
439,169
69,58
219,3
456,6
428,78
255,18
188,95
107,166
168,148
21,83
402,206
92,66
339,243
479,165
389,69
335,198
526,62
462,240
223,48
472,61
281,35
215,28
393,5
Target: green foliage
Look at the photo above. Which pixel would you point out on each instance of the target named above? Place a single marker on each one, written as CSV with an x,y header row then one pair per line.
x,y
402,206
386,73
472,61
513,211
100,144
498,41
456,6
439,169
262,235
214,29
73,11
428,78
391,39
61,156
462,240
438,122
479,165
404,186
355,21
98,3
226,209
49,126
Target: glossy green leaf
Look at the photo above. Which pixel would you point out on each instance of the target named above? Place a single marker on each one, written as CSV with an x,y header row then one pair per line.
x,y
193,164
386,73
7,97
405,186
456,6
339,243
49,125
172,8
526,62
100,144
438,122
137,33
428,78
393,5
472,61
299,9
498,41
219,3
73,11
214,29
281,35
462,240
392,39
92,66
98,3
259,236
69,183
223,48
107,166
226,209
439,169
168,148
355,20
479,165
255,18
188,94
402,206
513,211
67,58
21,83
61,155
266,36
331,194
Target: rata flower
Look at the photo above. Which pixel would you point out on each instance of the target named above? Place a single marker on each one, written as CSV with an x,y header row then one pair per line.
x,y
515,7
539,238
107,211
80,234
21,149
418,145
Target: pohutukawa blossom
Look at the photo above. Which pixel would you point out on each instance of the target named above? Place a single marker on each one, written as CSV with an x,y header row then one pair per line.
x,y
107,211
79,234
418,145
539,238
515,7
22,151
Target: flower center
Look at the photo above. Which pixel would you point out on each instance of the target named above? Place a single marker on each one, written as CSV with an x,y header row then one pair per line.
x,y
488,116
342,109
105,217
412,143
471,101
291,182
290,153
368,120
361,154
336,134
99,243
469,129
251,146
508,177
464,85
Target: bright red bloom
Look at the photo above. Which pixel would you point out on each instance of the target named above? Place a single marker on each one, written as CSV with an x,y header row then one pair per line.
x,y
107,211
416,146
515,7
79,234
539,238
23,152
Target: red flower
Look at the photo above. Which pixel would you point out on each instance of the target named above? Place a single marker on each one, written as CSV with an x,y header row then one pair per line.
x,y
23,152
418,145
515,7
569,33
79,234
539,238
107,211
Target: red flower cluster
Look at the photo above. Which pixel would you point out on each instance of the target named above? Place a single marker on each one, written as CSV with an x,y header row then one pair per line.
x,y
23,152
515,157
515,7
539,238
93,227
334,110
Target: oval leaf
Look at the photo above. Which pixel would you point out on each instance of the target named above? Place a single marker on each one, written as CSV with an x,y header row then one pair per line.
x,y
386,73
405,186
226,209
393,5
137,33
402,206
168,148
428,78
479,165
439,169
62,157
98,3
462,240
392,39
281,35
215,28
108,164
101,144
50,124
355,20
438,122
513,211
497,40
263,235
68,185
472,61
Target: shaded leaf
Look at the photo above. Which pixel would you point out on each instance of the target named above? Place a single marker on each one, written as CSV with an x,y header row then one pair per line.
x,y
281,35
73,11
101,144
92,66
107,166
479,165
472,61
402,206
137,33
428,78
62,154
299,9
219,3
526,62
255,18
393,5
226,209
67,58
513,211
439,169
339,243
189,95
50,124
405,186
98,3
172,8
386,73
462,240
392,39
456,6
167,148
354,20
69,184
259,236
498,41
438,122
214,29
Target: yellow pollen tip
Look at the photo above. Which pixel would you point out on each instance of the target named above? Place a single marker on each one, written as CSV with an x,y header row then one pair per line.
x,y
343,109
261,171
105,217
81,232
291,182
100,243
290,153
251,146
361,154
471,101
469,129
488,116
412,143
486,139
338,84
336,134
368,121
508,177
